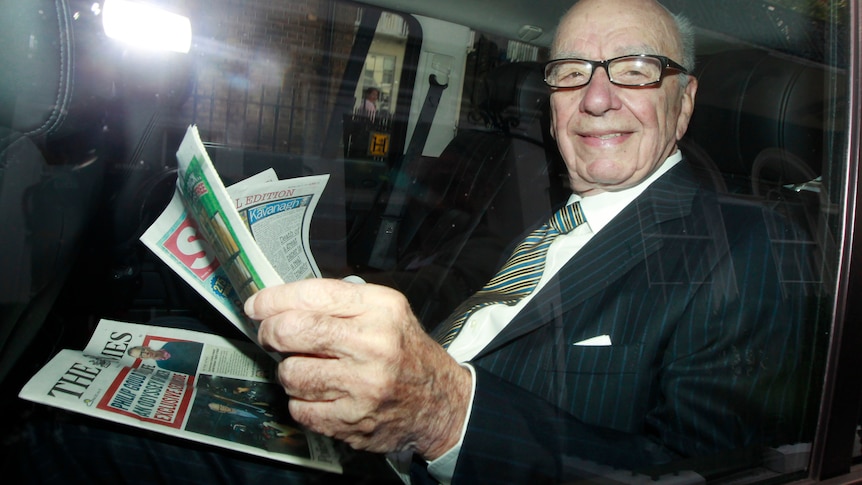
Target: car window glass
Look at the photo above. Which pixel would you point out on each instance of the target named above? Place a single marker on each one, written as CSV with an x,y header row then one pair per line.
x,y
336,87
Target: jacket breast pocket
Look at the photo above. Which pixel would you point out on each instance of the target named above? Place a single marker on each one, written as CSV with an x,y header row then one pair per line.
x,y
617,359
606,386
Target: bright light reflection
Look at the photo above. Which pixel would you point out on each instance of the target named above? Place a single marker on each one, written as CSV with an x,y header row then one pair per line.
x,y
146,26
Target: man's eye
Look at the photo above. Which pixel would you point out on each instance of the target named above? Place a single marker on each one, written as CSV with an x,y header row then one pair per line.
x,y
571,75
632,73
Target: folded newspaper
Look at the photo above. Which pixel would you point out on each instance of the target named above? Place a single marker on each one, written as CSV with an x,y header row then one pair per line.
x,y
182,383
227,243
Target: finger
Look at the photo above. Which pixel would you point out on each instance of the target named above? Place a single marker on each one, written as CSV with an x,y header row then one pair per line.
x,y
313,378
337,419
358,342
335,297
297,295
374,333
315,334
304,332
321,379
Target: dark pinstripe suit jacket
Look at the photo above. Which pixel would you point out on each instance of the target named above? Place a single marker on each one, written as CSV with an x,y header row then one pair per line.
x,y
702,300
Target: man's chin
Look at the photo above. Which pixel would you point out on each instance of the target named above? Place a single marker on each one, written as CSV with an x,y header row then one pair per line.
x,y
598,186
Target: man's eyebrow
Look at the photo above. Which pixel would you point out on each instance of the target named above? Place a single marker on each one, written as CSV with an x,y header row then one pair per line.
x,y
646,49
567,55
635,49
622,51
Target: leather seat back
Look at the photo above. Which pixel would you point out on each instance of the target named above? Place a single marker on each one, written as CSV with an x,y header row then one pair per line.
x,y
753,102
50,171
771,126
489,184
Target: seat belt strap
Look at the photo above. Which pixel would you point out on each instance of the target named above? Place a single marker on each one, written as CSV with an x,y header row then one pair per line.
x,y
383,253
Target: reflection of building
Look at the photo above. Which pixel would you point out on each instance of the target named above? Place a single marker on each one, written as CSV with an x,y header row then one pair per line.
x,y
379,72
383,63
280,101
366,137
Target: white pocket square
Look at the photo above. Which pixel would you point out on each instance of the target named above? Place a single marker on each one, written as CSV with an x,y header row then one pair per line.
x,y
598,341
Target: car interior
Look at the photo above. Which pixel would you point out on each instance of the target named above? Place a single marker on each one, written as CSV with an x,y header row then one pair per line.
x,y
89,130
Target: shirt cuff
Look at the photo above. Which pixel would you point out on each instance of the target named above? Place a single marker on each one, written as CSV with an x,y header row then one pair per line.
x,y
443,468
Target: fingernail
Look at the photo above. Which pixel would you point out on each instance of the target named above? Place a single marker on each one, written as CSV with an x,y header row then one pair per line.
x,y
353,279
248,308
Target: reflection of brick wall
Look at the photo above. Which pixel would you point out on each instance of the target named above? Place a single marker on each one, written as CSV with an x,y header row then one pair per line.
x,y
267,71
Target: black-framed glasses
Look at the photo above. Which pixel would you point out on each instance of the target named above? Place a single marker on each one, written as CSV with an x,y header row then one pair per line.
x,y
632,70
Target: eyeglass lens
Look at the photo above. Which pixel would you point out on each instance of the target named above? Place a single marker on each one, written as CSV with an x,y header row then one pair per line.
x,y
628,71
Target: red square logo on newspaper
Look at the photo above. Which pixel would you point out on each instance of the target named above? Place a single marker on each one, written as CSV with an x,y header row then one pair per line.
x,y
191,250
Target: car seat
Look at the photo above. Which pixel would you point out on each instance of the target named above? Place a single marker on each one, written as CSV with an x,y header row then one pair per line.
x,y
486,188
760,129
761,121
51,127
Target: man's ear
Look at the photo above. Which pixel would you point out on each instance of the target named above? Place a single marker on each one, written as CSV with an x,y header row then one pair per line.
x,y
686,107
553,121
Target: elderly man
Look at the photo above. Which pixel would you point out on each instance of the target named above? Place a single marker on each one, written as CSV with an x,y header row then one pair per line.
x,y
657,329
648,322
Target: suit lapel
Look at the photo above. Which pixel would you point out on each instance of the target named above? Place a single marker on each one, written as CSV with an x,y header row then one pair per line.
x,y
628,239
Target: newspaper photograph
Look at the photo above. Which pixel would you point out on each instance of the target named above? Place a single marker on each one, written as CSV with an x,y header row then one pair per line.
x,y
260,227
183,383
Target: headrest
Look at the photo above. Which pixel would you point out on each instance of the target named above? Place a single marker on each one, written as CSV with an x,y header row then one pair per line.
x,y
753,102
56,72
514,95
35,80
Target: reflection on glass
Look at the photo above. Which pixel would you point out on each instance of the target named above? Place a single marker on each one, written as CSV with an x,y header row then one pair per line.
x,y
146,27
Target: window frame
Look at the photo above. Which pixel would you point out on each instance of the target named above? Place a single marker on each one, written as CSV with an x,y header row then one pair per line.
x,y
842,391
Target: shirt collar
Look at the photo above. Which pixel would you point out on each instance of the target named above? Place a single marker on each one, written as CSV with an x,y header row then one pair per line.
x,y
599,209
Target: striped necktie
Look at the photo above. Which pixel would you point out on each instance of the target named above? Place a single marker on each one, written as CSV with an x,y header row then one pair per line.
x,y
519,275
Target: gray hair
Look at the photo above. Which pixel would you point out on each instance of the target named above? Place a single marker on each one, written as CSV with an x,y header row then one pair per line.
x,y
686,32
686,40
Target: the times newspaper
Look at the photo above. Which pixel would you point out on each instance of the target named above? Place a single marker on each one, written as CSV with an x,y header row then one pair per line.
x,y
182,383
226,244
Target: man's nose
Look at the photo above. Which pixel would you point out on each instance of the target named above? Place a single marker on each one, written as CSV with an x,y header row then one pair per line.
x,y
598,93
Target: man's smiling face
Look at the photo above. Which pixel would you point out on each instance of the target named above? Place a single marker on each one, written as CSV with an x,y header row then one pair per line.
x,y
612,137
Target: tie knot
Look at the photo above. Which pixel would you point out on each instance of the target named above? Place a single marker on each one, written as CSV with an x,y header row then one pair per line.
x,y
567,218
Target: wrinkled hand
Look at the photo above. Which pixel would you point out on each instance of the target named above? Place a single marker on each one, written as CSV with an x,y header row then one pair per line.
x,y
360,368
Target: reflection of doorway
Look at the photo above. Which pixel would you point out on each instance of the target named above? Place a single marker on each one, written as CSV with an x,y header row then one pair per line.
x,y
379,72
383,63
